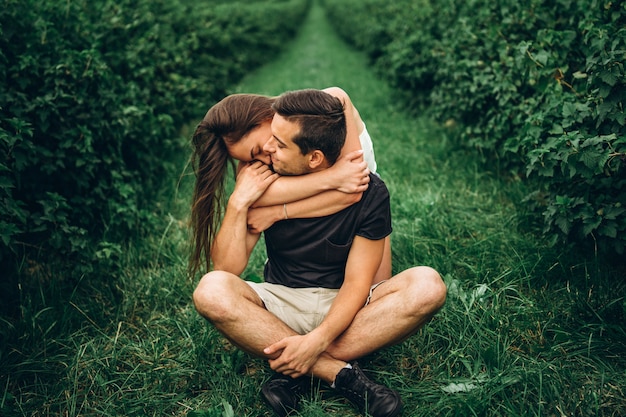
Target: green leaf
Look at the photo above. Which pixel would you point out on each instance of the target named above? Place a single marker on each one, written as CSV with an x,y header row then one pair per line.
x,y
609,229
7,231
609,77
594,159
591,224
542,57
569,110
612,213
563,223
6,182
228,409
556,129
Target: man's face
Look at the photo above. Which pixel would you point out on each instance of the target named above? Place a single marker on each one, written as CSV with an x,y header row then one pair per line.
x,y
286,157
250,147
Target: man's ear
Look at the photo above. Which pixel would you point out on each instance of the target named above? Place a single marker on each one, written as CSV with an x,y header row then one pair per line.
x,y
316,159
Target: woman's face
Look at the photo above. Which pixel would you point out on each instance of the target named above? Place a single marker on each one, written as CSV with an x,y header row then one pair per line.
x,y
250,147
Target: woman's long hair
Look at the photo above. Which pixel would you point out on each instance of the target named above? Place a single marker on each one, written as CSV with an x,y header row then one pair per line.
x,y
224,124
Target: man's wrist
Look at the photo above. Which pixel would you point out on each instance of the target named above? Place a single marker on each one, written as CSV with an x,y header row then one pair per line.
x,y
320,338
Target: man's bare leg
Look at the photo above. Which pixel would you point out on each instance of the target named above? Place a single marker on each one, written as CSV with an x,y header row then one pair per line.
x,y
398,308
238,313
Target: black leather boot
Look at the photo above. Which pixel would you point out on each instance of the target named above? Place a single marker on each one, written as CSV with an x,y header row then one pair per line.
x,y
369,397
282,393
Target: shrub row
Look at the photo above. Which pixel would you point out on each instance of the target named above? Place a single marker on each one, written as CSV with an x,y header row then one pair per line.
x,y
536,86
93,96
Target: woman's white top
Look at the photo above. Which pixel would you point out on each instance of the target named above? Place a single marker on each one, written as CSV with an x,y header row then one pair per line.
x,y
368,149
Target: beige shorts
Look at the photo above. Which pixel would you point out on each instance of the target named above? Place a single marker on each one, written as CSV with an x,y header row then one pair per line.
x,y
302,309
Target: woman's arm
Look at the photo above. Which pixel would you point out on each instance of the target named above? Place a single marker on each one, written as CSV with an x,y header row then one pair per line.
x,y
354,124
324,204
342,176
348,175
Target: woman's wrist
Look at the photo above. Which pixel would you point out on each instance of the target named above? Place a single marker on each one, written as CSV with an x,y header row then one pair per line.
x,y
279,212
331,180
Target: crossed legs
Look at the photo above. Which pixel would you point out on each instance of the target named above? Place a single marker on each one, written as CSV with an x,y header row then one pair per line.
x,y
397,309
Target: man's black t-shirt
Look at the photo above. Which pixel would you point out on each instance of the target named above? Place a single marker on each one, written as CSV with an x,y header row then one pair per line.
x,y
313,252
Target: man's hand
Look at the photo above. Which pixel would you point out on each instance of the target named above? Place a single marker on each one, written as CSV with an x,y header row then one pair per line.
x,y
351,173
252,181
297,354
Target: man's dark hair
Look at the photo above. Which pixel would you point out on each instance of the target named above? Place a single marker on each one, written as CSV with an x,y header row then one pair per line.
x,y
320,117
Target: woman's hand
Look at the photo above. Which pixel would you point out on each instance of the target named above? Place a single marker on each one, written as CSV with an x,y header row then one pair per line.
x,y
262,218
252,181
351,173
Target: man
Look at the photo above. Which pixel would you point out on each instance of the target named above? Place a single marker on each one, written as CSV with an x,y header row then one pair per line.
x,y
317,310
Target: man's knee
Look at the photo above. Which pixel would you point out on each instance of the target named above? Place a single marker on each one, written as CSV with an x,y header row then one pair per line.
x,y
428,287
213,296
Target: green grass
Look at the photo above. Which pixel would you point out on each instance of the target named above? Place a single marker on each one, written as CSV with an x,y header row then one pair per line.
x,y
527,330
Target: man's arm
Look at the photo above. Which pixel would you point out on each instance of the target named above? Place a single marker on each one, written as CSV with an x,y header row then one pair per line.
x,y
299,353
234,242
363,261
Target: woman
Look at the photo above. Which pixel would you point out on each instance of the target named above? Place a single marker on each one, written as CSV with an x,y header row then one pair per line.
x,y
237,128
